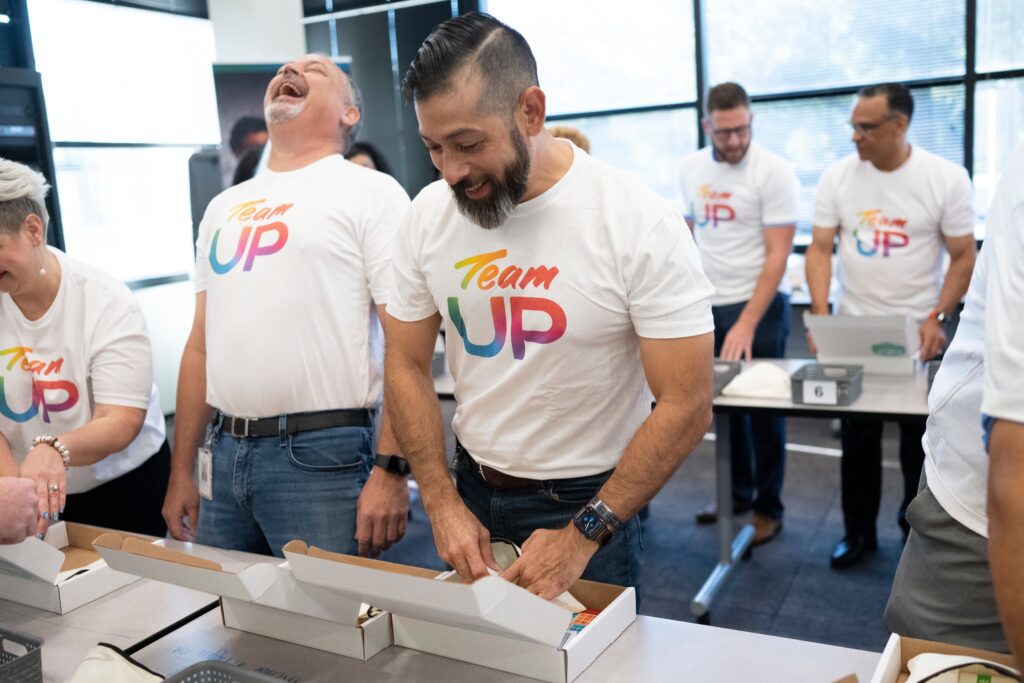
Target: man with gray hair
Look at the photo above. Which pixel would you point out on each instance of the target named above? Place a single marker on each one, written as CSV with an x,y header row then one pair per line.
x,y
567,289
282,370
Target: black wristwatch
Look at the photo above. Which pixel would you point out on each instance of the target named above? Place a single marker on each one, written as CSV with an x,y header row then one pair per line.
x,y
596,521
395,464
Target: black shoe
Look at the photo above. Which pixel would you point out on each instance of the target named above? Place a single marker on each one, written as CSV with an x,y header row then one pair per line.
x,y
851,550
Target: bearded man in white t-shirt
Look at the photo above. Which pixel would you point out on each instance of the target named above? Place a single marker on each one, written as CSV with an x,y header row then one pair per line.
x,y
566,288
741,202
285,353
895,209
969,507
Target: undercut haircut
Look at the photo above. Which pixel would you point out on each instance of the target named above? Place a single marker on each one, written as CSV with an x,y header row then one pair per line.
x,y
22,192
725,96
897,97
496,52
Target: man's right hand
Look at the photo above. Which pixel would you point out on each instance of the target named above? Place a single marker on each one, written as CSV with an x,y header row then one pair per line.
x,y
462,541
19,509
182,501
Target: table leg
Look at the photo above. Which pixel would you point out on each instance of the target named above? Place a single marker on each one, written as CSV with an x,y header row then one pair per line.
x,y
729,549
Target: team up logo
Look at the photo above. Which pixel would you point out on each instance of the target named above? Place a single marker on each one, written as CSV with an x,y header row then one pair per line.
x,y
886,233
48,395
268,238
484,273
716,207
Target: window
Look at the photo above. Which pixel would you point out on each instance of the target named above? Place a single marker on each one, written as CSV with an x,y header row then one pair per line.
x,y
125,114
1000,45
794,45
621,56
649,145
998,130
812,134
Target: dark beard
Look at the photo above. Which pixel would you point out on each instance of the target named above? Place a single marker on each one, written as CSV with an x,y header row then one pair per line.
x,y
492,211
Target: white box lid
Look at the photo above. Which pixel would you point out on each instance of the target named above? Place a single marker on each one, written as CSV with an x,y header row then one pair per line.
x,y
490,604
868,336
32,557
200,567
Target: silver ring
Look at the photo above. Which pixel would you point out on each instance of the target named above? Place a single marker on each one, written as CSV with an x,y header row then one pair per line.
x,y
53,488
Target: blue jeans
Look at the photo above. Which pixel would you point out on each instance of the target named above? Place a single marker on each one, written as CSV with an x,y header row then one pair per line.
x,y
758,441
514,514
274,489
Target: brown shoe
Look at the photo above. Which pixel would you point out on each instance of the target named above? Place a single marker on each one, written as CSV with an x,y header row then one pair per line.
x,y
765,529
709,513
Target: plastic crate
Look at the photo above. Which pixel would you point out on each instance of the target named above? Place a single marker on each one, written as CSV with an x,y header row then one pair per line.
x,y
829,385
725,370
21,657
218,672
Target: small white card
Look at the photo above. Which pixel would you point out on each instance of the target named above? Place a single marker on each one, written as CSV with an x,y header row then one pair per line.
x,y
206,473
821,393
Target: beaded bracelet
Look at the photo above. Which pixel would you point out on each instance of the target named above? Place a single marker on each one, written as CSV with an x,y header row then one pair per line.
x,y
55,443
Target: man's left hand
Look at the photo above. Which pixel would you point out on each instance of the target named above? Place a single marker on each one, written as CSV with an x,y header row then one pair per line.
x,y
933,338
382,512
552,560
738,342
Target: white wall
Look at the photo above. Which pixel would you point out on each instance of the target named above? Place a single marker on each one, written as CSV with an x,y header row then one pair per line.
x,y
168,310
257,31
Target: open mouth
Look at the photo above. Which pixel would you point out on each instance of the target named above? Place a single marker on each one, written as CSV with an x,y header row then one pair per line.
x,y
477,191
289,89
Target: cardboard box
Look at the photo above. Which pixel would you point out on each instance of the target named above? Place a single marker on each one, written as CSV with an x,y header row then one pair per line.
x,y
258,594
60,573
892,667
491,622
884,345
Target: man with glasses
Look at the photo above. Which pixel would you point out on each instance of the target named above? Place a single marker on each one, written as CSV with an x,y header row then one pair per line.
x,y
894,208
741,203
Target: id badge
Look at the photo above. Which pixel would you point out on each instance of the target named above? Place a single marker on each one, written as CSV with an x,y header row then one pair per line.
x,y
206,473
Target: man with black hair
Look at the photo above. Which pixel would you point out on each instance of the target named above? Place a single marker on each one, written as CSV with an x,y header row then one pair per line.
x,y
566,287
741,202
246,133
895,208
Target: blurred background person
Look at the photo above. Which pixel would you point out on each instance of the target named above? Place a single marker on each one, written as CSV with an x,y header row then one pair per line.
x,y
365,154
574,135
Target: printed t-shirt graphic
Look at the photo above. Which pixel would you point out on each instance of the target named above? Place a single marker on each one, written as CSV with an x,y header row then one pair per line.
x,y
891,230
543,314
90,347
293,265
731,205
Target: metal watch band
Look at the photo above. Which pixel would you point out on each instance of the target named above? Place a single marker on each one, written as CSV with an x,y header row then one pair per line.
x,y
395,464
605,513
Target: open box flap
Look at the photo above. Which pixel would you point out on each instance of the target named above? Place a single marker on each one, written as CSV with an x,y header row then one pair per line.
x,y
190,565
491,604
35,558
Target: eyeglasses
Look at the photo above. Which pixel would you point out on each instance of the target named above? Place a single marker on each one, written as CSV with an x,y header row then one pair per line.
x,y
869,128
723,134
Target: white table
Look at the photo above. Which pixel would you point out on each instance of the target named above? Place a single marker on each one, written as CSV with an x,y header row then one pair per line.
x,y
651,649
122,618
882,398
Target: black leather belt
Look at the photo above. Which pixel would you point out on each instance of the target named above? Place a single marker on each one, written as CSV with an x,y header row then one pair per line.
x,y
241,427
491,476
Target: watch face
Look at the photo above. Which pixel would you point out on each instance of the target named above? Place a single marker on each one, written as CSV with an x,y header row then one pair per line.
x,y
590,524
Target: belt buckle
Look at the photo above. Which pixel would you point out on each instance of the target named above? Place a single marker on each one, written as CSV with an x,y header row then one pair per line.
x,y
483,476
245,427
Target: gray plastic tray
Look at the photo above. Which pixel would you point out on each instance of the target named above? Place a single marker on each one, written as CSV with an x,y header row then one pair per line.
x,y
21,657
837,385
218,672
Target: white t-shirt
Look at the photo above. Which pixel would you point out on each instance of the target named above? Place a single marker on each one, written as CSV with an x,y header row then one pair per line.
x,y
543,314
90,347
730,206
292,265
891,229
978,362
1004,326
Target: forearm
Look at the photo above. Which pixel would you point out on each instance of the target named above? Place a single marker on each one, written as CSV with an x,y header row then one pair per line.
x,y
192,415
415,422
8,465
667,436
819,278
103,436
954,285
1006,528
388,442
765,290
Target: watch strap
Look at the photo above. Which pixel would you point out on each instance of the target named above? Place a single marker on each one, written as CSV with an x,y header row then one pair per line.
x,y
395,464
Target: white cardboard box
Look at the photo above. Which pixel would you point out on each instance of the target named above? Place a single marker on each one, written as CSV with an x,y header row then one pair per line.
x,y
60,573
870,341
259,594
892,667
490,622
